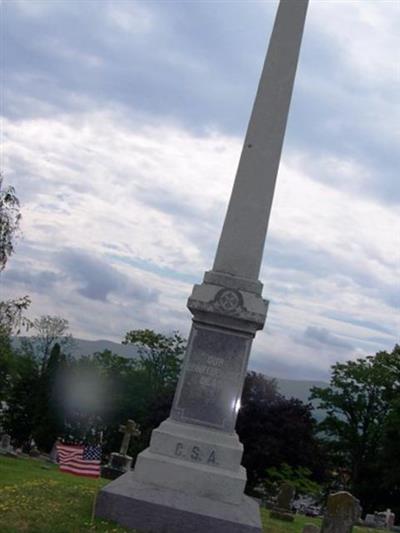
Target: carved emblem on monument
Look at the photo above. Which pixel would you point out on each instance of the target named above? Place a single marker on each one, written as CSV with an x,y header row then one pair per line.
x,y
228,300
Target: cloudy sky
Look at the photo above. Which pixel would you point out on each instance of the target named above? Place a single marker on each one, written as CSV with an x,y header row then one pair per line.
x,y
122,128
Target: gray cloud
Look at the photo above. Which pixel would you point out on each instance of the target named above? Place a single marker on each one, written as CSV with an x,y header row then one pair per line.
x,y
184,68
323,336
349,319
37,281
97,279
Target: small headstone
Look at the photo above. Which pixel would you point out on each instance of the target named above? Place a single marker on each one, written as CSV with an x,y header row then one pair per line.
x,y
34,452
5,443
53,455
282,509
343,511
384,519
121,462
370,520
390,518
311,528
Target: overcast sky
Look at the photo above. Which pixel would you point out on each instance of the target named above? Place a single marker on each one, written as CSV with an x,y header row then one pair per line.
x,y
122,129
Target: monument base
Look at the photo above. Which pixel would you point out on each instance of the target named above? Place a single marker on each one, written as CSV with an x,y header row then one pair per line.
x,y
162,510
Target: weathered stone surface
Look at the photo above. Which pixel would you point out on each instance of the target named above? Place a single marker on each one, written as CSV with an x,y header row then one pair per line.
x,y
5,441
342,512
210,386
197,444
311,528
34,452
285,496
5,444
282,508
242,239
201,480
148,508
370,520
118,465
130,429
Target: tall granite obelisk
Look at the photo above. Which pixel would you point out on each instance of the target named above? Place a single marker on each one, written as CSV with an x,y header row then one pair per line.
x,y
190,478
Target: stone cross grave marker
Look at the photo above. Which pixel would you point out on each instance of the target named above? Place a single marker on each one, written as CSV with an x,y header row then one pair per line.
x,y
121,462
191,478
130,429
342,512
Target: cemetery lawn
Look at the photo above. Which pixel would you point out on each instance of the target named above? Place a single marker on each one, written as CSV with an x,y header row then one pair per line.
x,y
36,498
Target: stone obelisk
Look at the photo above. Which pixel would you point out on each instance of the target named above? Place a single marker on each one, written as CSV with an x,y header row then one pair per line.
x,y
190,478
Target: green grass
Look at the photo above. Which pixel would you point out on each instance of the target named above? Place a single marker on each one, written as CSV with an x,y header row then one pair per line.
x,y
277,526
36,498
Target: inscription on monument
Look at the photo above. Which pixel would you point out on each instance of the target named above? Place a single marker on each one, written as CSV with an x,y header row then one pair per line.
x,y
197,454
214,370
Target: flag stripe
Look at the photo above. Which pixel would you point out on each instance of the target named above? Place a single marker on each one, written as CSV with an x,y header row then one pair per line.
x,y
79,460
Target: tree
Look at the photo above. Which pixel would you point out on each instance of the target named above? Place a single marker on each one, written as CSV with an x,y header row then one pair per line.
x,y
10,218
275,431
160,356
19,417
11,311
299,478
49,410
258,388
49,331
361,403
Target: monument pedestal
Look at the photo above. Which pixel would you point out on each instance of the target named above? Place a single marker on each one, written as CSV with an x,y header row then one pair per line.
x,y
189,478
159,509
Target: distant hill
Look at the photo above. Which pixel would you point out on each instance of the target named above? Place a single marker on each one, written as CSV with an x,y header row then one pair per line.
x,y
84,347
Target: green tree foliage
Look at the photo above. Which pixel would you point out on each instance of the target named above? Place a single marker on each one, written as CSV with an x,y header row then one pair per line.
x,y
48,331
140,388
11,311
160,357
49,415
33,402
19,418
361,426
10,218
299,478
275,431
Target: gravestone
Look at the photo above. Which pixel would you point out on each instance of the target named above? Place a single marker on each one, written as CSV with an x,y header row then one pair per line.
x,y
5,443
343,511
53,455
121,462
311,528
390,518
369,520
5,446
282,509
383,519
190,478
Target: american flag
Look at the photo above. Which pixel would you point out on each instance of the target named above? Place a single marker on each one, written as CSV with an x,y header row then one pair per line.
x,y
80,460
